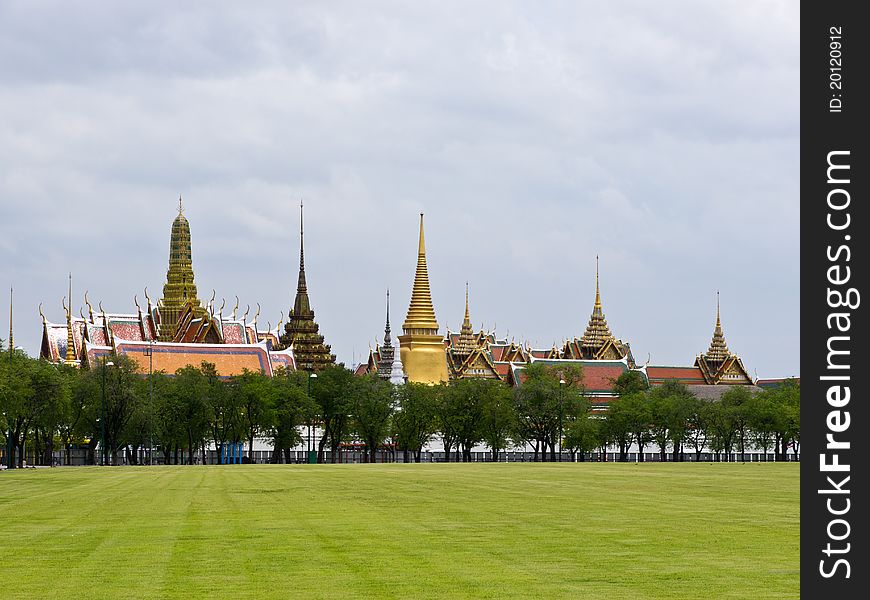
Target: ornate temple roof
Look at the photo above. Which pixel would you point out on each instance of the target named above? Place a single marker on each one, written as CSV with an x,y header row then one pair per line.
x,y
421,313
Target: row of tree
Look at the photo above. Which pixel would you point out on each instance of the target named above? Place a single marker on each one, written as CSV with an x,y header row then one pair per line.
x,y
110,408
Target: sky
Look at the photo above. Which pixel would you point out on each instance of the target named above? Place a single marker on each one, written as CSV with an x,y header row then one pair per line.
x,y
663,137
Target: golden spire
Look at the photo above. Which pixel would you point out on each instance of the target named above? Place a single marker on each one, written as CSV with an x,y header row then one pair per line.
x,y
597,332
597,291
466,343
70,340
421,313
718,350
180,205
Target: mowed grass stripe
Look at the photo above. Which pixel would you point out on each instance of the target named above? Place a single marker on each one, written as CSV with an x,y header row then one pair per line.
x,y
403,531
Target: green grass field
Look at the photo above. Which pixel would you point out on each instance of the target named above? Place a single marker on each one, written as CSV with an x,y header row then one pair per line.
x,y
402,531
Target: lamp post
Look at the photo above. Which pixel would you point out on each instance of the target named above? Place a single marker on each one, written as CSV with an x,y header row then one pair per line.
x,y
103,414
561,387
310,448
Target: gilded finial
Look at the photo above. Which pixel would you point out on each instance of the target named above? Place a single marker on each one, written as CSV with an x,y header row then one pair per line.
x,y
65,307
718,320
221,309
235,308
268,325
90,308
136,302
280,322
41,314
245,316
180,205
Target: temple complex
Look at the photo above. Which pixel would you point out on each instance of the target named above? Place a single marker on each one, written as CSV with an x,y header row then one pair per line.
x,y
302,333
422,348
179,331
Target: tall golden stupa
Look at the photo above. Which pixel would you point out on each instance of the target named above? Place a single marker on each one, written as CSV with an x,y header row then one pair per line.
x,y
180,288
422,347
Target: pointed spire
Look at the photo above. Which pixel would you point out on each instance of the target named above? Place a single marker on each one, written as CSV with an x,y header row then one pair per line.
x,y
179,291
70,339
302,305
301,331
421,313
466,343
597,332
180,205
597,289
301,238
718,350
387,341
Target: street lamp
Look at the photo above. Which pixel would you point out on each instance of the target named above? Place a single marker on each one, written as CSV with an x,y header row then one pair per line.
x,y
103,414
561,386
310,450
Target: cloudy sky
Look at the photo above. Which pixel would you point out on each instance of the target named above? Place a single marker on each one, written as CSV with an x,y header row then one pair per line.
x,y
662,136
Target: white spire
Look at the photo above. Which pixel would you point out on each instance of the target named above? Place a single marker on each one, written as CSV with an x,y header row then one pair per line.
x,y
397,374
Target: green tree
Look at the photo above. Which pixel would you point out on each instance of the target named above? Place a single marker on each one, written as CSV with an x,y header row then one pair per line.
x,y
498,423
735,402
191,397
670,407
583,434
120,400
414,421
764,420
253,393
331,391
292,407
547,397
372,405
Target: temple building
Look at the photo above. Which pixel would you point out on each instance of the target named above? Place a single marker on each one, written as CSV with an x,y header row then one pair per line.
x,y
179,331
422,348
302,333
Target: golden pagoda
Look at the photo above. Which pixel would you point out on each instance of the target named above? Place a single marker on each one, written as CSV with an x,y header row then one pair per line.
x,y
422,348
597,343
179,292
719,365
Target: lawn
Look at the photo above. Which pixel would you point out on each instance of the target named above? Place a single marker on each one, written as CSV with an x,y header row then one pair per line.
x,y
579,530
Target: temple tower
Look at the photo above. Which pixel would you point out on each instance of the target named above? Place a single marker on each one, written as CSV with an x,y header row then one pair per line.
x,y
301,331
387,353
719,365
422,348
180,288
467,342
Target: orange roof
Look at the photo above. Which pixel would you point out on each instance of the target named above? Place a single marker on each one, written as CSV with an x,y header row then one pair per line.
x,y
678,373
228,359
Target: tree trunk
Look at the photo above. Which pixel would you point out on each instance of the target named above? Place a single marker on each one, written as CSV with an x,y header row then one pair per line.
x,y
495,455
